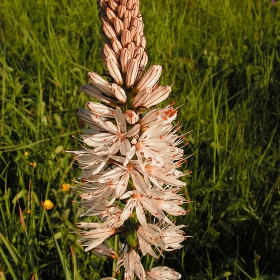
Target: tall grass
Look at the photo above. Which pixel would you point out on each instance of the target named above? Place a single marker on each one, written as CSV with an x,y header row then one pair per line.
x,y
223,57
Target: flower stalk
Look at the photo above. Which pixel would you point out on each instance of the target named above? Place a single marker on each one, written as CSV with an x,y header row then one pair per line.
x,y
130,153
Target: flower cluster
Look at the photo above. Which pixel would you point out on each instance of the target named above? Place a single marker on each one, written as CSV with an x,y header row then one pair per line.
x,y
131,151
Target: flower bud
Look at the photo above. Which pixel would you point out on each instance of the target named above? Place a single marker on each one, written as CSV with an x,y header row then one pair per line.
x,y
124,59
133,27
119,93
113,5
106,52
150,78
135,10
114,70
116,45
131,48
131,117
121,11
110,14
157,96
132,72
118,25
108,30
125,38
99,82
126,19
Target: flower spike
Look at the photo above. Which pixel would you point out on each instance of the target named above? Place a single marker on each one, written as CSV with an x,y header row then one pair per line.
x,y
130,152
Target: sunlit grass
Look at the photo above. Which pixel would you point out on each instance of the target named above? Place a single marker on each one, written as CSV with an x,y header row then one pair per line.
x,y
223,58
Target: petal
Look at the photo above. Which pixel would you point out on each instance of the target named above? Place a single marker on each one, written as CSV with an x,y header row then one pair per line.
x,y
127,209
125,147
96,93
139,182
111,175
122,185
141,214
120,119
133,131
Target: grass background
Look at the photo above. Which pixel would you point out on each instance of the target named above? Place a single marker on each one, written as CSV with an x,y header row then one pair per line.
x,y
223,57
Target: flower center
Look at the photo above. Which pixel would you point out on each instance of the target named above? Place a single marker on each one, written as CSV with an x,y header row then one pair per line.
x,y
137,195
130,113
130,167
138,145
121,136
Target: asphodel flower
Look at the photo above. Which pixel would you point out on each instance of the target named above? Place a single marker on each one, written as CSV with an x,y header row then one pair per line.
x,y
132,265
162,273
130,152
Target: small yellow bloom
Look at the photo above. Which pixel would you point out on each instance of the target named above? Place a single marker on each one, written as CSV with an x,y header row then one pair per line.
x,y
33,164
25,154
48,204
65,187
28,211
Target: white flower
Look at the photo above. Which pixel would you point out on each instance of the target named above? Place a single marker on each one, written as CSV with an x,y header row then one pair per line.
x,y
132,265
92,161
151,201
96,123
114,137
158,144
103,250
172,236
162,273
95,237
111,217
148,236
94,209
165,115
162,174
125,169
99,192
167,239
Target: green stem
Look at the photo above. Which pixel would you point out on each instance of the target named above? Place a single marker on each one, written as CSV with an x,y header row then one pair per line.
x,y
114,268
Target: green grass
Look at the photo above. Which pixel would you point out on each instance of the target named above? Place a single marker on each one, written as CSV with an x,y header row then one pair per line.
x,y
223,58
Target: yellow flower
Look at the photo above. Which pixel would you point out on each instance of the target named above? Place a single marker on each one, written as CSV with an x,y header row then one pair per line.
x,y
48,204
33,164
65,187
25,154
